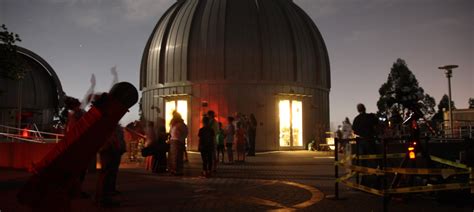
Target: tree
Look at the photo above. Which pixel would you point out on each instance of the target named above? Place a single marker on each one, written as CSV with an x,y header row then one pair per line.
x,y
11,66
402,91
471,103
443,105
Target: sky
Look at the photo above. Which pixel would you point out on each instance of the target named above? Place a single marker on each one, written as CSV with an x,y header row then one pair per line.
x,y
364,38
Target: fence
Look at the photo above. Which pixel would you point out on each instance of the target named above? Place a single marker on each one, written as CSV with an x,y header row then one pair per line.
x,y
461,129
384,171
13,134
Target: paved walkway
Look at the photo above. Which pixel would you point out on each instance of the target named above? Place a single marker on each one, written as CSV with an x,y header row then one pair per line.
x,y
275,181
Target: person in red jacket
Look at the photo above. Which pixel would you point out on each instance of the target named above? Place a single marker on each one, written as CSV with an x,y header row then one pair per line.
x,y
54,178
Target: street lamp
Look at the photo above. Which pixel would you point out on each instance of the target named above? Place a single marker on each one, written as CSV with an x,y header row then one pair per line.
x,y
449,73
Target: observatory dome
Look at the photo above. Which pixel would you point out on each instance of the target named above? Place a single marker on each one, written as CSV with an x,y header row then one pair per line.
x,y
256,40
40,91
260,57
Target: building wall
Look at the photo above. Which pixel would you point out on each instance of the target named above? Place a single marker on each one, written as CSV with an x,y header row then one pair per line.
x,y
463,125
463,115
460,115
228,98
20,155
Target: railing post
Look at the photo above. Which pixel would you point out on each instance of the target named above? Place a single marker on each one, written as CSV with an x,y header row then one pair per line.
x,y
357,159
469,131
336,167
386,197
8,132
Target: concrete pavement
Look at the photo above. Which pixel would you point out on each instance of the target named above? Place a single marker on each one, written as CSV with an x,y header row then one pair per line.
x,y
279,181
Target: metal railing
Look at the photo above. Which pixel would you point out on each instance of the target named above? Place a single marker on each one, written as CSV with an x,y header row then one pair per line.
x,y
461,129
13,134
383,170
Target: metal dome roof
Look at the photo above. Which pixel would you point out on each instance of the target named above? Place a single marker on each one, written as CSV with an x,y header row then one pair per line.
x,y
41,87
235,40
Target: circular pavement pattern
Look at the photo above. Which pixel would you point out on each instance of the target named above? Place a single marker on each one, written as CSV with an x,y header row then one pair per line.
x,y
244,194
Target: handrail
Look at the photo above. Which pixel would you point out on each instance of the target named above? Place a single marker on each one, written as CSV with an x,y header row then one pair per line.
x,y
35,139
385,191
14,136
33,131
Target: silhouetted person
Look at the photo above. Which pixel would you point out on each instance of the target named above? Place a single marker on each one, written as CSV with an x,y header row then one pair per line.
x,y
215,127
229,138
159,159
150,147
240,142
339,136
220,139
206,147
109,155
365,128
347,134
74,113
346,129
365,124
118,158
252,132
50,186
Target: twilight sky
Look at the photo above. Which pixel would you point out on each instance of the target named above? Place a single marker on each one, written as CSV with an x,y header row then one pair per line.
x,y
364,37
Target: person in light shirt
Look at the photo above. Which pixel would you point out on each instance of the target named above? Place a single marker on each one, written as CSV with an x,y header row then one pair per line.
x,y
178,133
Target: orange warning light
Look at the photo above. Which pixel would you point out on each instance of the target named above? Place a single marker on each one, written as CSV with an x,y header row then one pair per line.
x,y
411,152
25,133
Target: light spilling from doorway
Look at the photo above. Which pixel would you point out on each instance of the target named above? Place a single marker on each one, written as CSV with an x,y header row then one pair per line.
x,y
291,123
181,106
297,122
285,125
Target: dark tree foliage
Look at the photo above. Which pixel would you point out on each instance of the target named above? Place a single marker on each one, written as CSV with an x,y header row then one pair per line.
x,y
428,103
444,104
471,103
402,89
11,66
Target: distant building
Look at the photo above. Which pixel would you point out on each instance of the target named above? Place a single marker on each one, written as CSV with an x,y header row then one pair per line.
x,y
262,57
463,122
39,96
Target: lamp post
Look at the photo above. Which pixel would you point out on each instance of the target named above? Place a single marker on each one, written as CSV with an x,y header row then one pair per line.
x,y
449,73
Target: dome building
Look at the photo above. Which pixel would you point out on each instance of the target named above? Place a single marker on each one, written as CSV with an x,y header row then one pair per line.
x,y
39,94
265,57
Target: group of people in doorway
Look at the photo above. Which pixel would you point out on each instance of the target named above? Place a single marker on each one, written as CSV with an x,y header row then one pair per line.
x,y
159,143
214,142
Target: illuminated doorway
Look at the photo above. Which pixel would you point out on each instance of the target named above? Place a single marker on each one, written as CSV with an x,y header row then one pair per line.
x,y
291,123
179,105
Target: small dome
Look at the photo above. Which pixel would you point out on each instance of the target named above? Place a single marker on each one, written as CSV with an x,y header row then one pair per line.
x,y
41,91
235,40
